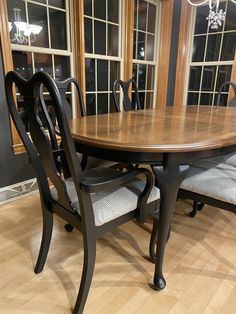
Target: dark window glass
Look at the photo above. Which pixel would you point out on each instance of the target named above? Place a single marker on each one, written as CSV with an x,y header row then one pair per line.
x,y
142,77
90,104
198,48
43,62
38,16
57,3
192,99
213,47
113,11
194,79
149,100
58,29
22,62
141,46
150,47
142,99
90,74
100,9
230,20
224,73
102,105
135,13
62,67
229,46
134,72
201,22
114,72
88,35
112,103
150,77
223,99
208,78
206,99
16,12
135,45
100,37
113,42
142,15
102,75
88,7
219,29
151,18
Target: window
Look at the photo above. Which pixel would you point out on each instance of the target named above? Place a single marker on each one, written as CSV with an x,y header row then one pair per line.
x,y
145,50
102,24
40,40
212,56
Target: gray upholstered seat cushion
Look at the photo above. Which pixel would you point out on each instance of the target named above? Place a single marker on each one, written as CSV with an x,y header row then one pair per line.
x,y
229,159
112,203
211,179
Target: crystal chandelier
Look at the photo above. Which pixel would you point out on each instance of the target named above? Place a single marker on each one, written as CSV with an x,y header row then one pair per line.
x,y
216,17
24,31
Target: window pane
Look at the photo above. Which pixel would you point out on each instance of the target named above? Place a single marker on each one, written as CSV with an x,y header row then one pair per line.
x,y
114,72
208,79
88,7
134,72
113,40
192,99
150,47
102,103
135,13
201,22
142,99
22,62
141,46
213,47
16,12
151,18
57,3
90,104
112,103
100,9
198,48
206,99
38,16
149,100
88,35
135,46
102,75
142,15
113,11
62,67
43,62
230,20
195,76
100,37
90,74
223,99
150,77
58,22
224,73
229,46
142,76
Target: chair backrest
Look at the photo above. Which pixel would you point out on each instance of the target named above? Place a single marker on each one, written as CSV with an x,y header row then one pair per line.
x,y
42,152
128,104
222,87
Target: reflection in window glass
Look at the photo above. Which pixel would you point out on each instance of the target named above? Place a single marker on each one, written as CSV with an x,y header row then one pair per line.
x,y
43,62
58,22
62,67
113,40
22,63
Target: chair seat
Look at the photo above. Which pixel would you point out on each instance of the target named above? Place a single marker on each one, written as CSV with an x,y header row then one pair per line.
x,y
112,203
214,180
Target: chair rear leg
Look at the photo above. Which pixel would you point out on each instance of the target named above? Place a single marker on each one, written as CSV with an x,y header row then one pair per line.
x,y
87,274
45,241
196,206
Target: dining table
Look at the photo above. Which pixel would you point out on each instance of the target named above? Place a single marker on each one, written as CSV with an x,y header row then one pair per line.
x,y
167,138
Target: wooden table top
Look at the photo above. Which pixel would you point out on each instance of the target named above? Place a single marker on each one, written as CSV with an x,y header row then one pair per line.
x,y
186,129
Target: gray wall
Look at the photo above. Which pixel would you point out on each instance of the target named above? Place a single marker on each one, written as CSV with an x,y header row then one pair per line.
x,y
13,169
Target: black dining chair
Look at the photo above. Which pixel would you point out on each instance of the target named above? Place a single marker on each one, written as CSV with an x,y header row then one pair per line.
x,y
93,201
127,87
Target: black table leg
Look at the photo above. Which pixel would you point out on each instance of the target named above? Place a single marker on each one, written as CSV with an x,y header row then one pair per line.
x,y
168,177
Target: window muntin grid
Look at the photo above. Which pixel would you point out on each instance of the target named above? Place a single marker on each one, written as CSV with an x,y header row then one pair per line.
x,y
212,56
102,23
146,18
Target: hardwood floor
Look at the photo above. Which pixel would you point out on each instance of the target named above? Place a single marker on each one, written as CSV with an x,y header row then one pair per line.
x,y
200,265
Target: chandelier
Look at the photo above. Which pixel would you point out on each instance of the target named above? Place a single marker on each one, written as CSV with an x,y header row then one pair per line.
x,y
24,31
216,17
